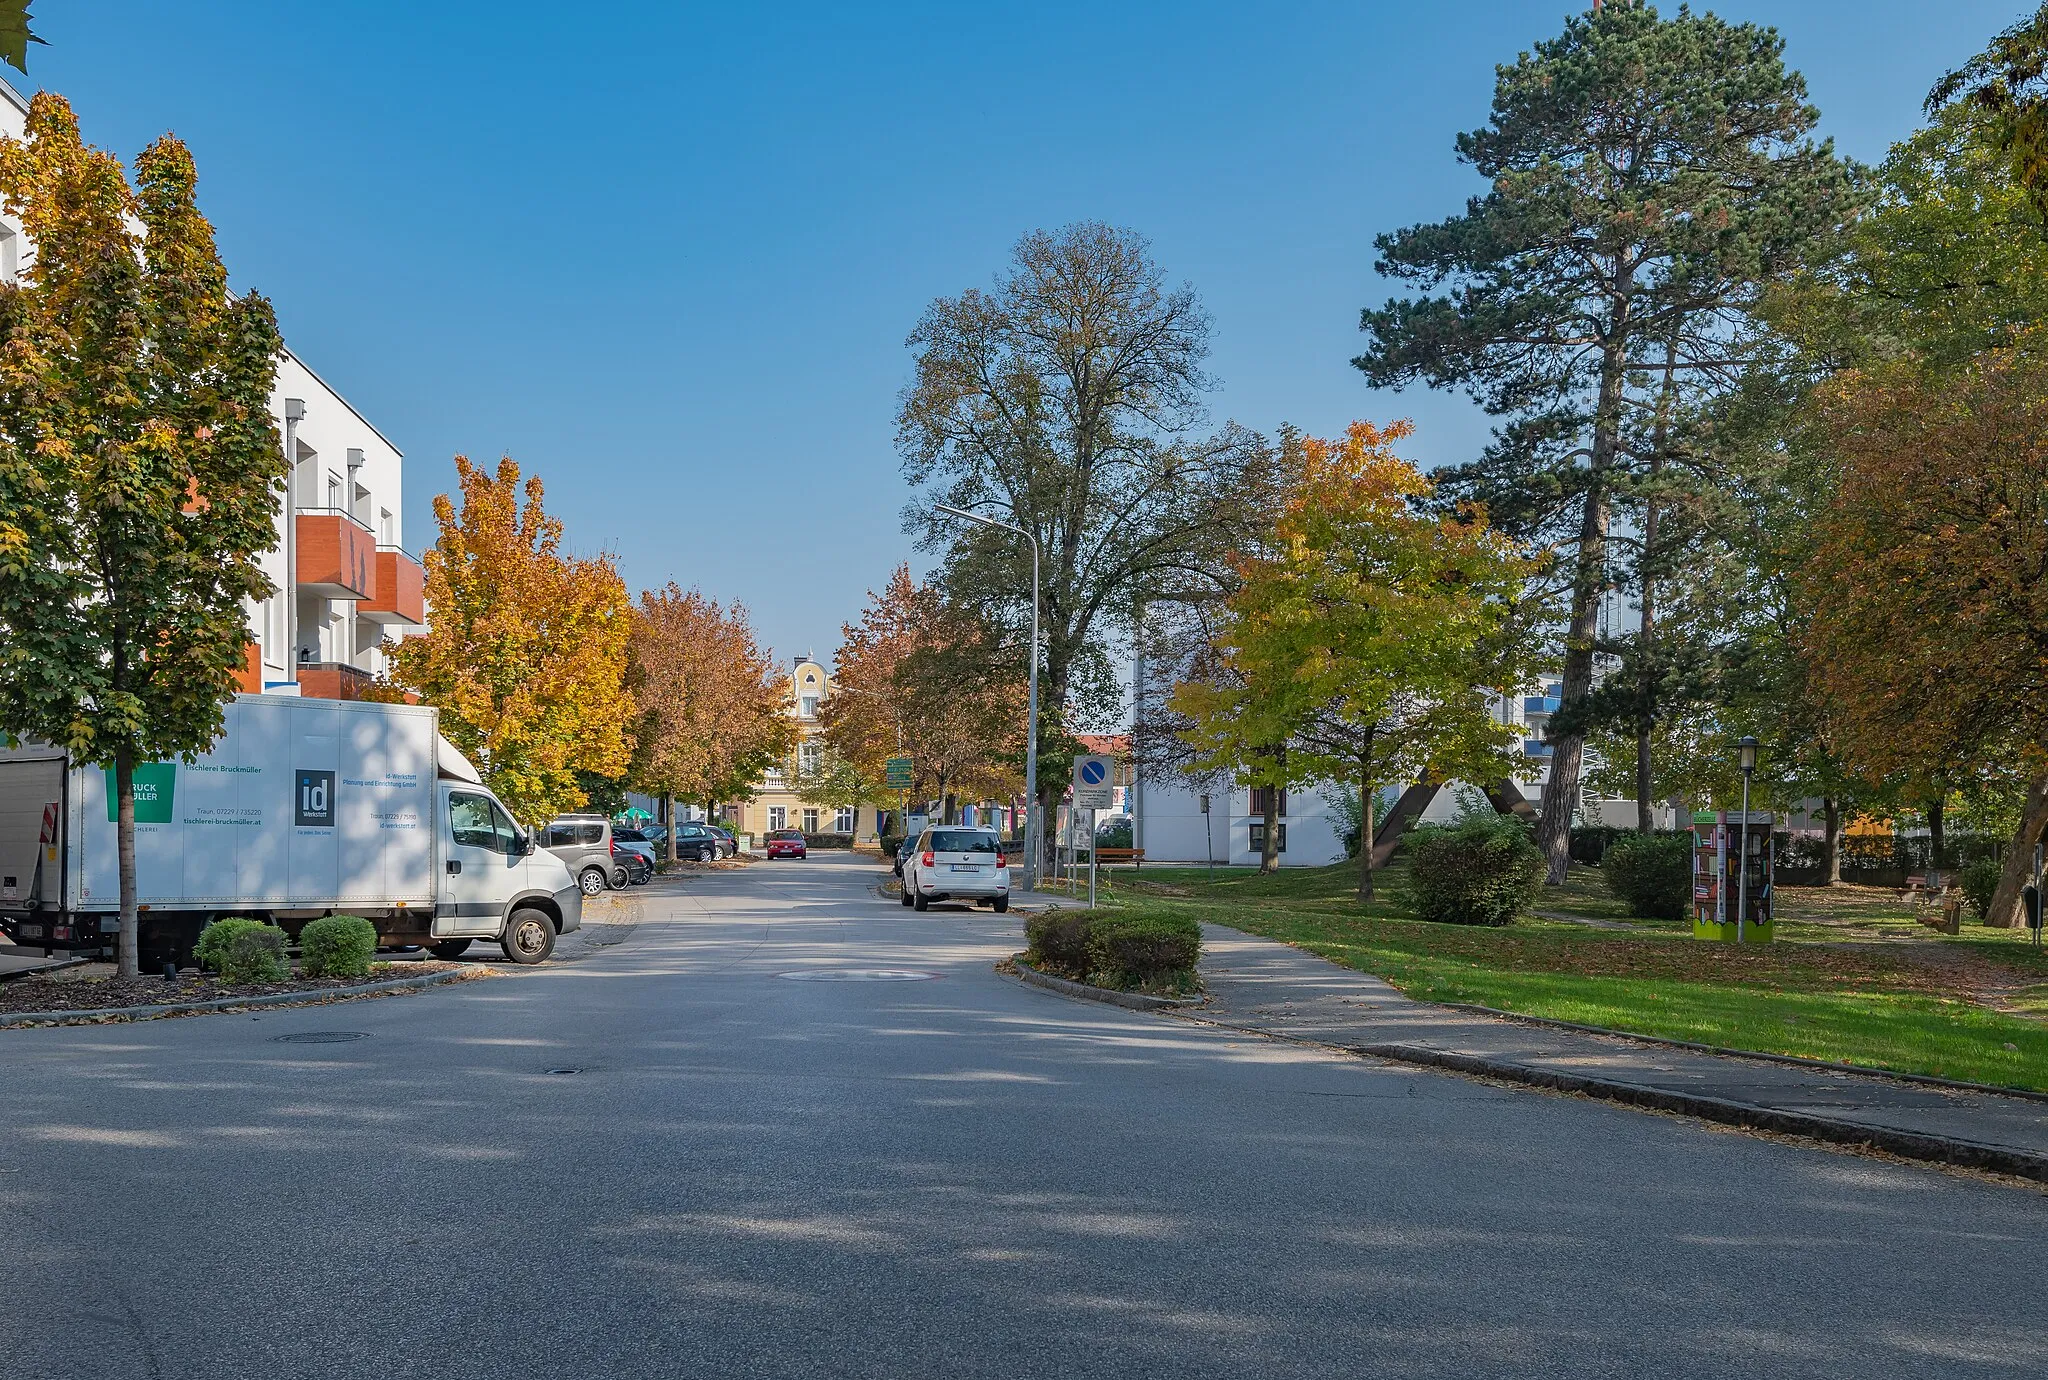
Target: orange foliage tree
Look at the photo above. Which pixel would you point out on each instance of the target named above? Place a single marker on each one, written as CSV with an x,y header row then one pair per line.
x,y
717,706
526,654
1929,582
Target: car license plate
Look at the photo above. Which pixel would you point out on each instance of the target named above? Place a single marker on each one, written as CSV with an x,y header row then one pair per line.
x,y
966,867
31,931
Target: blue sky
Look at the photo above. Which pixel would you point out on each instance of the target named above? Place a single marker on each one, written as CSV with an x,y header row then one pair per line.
x,y
666,254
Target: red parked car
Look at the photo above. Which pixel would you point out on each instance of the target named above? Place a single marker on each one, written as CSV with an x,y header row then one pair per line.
x,y
787,843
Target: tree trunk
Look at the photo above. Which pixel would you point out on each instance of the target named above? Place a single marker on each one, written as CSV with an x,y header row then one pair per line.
x,y
1646,685
1831,840
1561,790
2019,858
1269,846
1366,802
673,856
130,949
1935,834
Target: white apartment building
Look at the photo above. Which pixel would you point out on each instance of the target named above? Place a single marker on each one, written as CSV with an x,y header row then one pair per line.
x,y
344,579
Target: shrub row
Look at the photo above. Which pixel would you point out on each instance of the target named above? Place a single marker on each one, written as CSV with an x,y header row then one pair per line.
x,y
1110,949
242,950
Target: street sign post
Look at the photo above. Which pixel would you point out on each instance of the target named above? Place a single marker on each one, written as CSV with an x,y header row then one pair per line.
x,y
897,773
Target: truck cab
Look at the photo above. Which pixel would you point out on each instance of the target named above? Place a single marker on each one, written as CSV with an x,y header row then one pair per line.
x,y
495,883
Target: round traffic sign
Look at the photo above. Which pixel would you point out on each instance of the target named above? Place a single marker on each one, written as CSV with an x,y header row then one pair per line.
x,y
1092,773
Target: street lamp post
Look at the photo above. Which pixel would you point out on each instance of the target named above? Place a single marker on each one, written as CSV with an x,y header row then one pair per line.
x,y
1747,748
1031,820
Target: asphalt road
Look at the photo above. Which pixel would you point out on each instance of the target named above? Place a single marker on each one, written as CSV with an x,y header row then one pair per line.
x,y
753,1175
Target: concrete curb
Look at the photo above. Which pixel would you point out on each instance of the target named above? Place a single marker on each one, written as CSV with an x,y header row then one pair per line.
x,y
113,1015
1135,1001
1795,1060
1905,1144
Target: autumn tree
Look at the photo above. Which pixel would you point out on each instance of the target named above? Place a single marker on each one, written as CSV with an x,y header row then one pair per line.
x,y
1369,638
526,654
1929,586
140,471
2007,86
920,676
717,704
1646,178
1068,401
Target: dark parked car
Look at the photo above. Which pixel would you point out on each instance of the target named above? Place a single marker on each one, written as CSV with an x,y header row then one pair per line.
x,y
903,852
639,871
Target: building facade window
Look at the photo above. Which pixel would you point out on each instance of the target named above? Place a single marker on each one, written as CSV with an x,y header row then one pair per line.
x,y
807,706
1259,838
1262,794
810,821
842,821
778,817
809,757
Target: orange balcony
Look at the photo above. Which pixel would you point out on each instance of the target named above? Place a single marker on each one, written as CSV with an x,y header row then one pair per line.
x,y
401,589
332,680
249,680
337,556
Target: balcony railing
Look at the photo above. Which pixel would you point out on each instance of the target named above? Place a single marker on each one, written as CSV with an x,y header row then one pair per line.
x,y
333,680
400,596
337,554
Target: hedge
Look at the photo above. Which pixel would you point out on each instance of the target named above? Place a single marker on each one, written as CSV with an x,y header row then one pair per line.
x,y
828,840
1483,870
1110,949
338,946
243,950
1651,874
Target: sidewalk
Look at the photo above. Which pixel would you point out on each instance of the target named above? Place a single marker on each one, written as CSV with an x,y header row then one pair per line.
x,y
1266,987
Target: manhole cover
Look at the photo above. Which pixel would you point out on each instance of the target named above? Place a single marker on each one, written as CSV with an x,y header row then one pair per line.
x,y
860,975
564,1069
320,1037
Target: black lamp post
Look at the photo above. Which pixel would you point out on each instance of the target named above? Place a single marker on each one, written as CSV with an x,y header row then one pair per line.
x,y
1747,748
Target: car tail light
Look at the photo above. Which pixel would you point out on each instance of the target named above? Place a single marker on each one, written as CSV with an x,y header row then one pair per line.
x,y
614,846
931,859
1002,859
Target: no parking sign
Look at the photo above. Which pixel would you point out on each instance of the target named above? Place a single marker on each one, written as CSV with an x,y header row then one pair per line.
x,y
1092,782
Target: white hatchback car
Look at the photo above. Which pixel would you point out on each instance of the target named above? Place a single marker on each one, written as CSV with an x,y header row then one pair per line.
x,y
957,863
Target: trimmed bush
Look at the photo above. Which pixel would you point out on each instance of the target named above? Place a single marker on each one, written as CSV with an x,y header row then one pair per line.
x,y
243,950
828,840
338,946
1979,881
1483,870
1143,950
1058,941
1651,874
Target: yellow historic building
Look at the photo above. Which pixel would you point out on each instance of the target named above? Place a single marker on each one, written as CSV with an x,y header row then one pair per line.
x,y
776,804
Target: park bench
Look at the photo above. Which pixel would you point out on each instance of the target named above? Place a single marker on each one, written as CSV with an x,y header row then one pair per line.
x,y
1937,903
1110,857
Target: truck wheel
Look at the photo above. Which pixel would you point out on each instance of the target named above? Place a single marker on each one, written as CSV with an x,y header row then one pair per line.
x,y
529,936
592,881
451,948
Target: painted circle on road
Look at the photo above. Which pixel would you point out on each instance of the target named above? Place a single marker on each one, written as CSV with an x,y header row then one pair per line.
x,y
1092,773
859,975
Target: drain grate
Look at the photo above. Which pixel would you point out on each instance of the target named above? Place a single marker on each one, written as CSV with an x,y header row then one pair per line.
x,y
320,1037
859,975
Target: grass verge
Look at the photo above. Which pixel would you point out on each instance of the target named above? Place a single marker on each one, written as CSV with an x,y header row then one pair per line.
x,y
1911,1002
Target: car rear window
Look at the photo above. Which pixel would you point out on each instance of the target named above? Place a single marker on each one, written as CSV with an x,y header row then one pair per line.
x,y
787,834
629,836
962,841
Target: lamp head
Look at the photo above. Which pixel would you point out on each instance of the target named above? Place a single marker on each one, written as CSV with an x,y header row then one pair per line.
x,y
1747,748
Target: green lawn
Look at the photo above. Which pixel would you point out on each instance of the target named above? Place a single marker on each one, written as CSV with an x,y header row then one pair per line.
x,y
1899,996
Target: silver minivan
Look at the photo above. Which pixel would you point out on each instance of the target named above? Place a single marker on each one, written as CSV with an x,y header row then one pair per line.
x,y
957,862
584,844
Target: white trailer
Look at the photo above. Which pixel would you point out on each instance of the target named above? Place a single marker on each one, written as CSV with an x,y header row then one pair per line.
x,y
303,808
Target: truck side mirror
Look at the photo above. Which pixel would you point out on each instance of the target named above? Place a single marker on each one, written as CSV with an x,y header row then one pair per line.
x,y
526,844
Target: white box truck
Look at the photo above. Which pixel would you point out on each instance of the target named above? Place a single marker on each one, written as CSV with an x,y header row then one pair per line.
x,y
303,808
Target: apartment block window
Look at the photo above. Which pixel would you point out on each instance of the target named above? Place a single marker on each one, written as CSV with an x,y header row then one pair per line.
x,y
810,821
1259,838
10,255
1262,794
778,817
842,821
334,491
387,533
